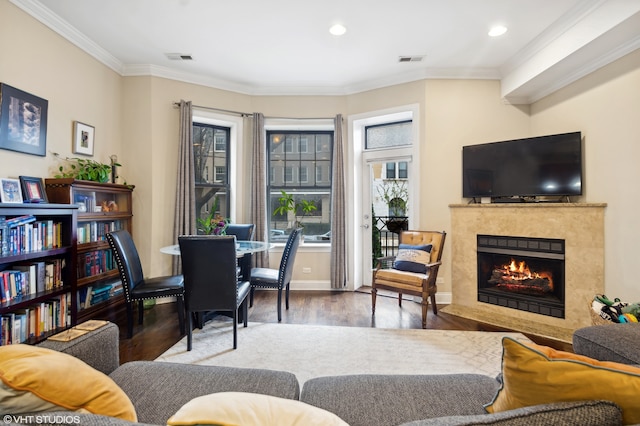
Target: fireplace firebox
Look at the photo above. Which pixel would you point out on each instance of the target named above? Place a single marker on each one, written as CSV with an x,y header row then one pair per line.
x,y
522,273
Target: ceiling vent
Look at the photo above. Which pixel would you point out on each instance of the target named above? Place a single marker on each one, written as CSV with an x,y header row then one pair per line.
x,y
411,58
179,57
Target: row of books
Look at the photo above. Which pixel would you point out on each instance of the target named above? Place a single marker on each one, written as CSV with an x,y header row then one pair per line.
x,y
30,278
35,321
90,295
24,234
93,231
87,201
95,263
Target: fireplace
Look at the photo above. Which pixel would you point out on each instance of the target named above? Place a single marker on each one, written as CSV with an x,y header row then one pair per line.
x,y
522,273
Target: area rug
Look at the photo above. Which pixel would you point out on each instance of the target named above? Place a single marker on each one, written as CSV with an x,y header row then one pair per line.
x,y
314,350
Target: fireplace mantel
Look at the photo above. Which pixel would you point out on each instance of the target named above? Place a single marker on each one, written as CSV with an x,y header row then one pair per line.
x,y
581,225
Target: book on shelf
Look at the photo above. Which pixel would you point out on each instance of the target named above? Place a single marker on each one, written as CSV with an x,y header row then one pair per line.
x,y
36,320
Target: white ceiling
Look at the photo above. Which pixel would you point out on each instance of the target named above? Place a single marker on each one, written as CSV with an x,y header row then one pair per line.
x,y
283,47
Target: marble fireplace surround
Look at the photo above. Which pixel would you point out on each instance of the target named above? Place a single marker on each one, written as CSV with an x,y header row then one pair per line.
x,y
581,225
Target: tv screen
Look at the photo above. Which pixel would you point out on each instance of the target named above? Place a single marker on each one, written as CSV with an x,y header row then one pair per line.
x,y
539,166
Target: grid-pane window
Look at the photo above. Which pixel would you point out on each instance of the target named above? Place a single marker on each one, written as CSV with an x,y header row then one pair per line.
x,y
403,170
211,170
300,165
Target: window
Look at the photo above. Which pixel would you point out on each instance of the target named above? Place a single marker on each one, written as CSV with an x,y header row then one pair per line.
x,y
388,135
300,165
210,149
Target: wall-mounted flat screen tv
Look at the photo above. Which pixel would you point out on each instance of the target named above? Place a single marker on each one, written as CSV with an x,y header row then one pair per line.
x,y
539,166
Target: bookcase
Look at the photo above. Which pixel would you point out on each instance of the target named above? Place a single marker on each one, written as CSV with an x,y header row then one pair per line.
x,y
102,208
37,271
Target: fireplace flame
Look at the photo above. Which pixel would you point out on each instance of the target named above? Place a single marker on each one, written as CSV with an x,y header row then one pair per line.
x,y
517,275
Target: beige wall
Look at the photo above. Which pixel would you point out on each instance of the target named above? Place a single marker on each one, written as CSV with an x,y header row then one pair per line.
x,y
76,86
135,119
605,107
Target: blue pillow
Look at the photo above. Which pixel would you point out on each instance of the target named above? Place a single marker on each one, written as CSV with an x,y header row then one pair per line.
x,y
413,258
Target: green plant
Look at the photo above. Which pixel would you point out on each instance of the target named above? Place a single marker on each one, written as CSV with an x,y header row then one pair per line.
x,y
85,169
300,208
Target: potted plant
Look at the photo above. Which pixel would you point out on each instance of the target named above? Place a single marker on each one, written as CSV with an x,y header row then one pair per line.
x,y
300,208
213,224
85,169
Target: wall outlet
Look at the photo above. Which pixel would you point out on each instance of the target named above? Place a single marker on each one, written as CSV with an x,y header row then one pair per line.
x,y
306,270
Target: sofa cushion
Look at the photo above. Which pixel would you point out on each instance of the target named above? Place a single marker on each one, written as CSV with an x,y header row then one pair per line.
x,y
241,408
611,342
583,413
392,399
35,379
158,389
413,258
534,374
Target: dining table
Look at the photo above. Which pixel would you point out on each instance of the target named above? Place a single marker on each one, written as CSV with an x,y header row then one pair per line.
x,y
242,247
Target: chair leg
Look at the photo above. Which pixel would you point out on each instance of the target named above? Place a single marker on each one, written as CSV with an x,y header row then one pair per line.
x,y
374,293
286,297
400,299
129,320
140,311
251,296
425,305
235,329
189,329
279,304
245,308
433,304
181,314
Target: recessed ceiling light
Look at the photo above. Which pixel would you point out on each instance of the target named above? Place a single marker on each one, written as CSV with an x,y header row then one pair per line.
x,y
337,29
498,30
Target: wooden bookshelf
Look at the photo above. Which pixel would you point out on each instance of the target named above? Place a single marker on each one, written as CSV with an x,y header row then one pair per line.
x,y
103,208
37,271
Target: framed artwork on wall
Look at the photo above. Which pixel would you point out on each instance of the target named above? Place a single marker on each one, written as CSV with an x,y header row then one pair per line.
x,y
83,137
23,121
11,192
33,190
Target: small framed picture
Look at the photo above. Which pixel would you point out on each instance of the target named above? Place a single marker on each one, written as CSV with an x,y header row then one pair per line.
x,y
11,192
33,190
83,137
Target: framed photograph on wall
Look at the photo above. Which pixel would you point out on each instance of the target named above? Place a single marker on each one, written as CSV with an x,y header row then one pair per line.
x,y
33,190
11,192
83,137
23,121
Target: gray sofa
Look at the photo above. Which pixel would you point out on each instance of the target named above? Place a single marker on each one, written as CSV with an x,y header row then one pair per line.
x,y
158,389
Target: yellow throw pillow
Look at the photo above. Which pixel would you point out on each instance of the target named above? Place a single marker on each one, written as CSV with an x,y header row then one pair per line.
x,y
251,409
534,374
35,379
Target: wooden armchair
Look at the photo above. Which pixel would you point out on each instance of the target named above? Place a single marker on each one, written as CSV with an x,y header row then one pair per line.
x,y
413,270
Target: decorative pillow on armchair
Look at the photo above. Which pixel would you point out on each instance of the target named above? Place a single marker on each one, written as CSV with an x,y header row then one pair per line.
x,y
413,258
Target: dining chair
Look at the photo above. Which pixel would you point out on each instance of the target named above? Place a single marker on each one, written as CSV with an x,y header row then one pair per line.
x,y
211,279
278,278
244,232
136,287
413,270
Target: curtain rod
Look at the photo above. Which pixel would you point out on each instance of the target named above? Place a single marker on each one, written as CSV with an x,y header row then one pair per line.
x,y
246,114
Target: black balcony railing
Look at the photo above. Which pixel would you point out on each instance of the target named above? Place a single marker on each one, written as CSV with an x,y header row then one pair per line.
x,y
385,232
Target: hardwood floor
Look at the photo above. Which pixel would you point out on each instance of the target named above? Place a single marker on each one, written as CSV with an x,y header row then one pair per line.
x,y
160,330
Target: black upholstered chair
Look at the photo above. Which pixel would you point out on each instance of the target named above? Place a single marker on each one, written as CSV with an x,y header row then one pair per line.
x,y
137,288
242,231
278,278
211,279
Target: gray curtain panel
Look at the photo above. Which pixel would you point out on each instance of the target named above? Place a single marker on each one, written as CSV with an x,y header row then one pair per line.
x,y
259,205
338,211
185,214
